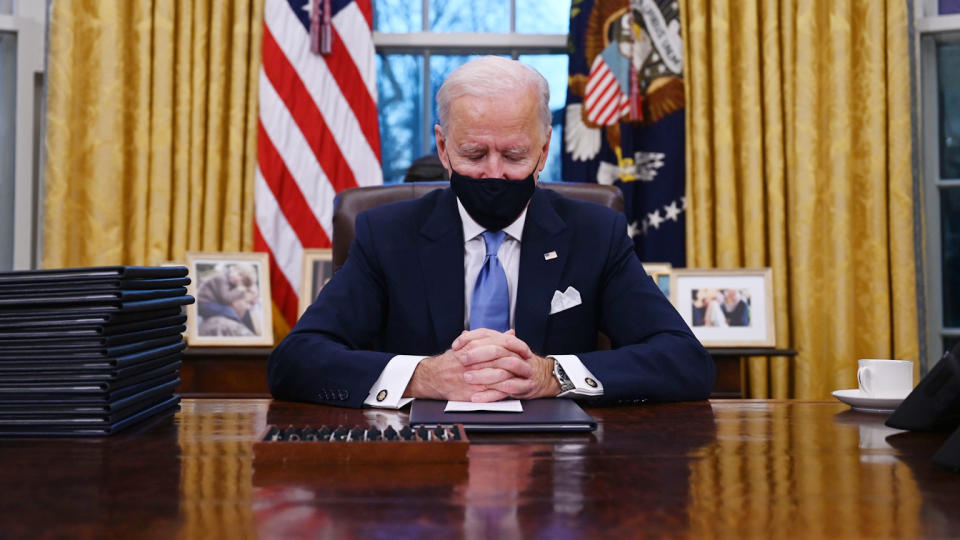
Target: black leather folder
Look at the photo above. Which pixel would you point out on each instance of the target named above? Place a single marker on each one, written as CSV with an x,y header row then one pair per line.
x,y
69,375
14,390
91,399
32,298
93,273
117,357
67,339
65,319
538,415
164,408
107,418
140,398
92,285
100,307
935,403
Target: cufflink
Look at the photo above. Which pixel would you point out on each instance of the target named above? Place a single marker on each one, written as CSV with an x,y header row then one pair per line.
x,y
590,382
382,395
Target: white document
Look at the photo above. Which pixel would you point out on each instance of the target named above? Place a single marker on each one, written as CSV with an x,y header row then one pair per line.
x,y
507,405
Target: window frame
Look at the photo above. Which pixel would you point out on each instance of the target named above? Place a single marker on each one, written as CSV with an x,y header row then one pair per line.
x,y
931,29
427,43
28,24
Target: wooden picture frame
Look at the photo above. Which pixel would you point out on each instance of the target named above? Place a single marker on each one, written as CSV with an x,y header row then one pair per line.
x,y
726,308
233,305
660,273
316,271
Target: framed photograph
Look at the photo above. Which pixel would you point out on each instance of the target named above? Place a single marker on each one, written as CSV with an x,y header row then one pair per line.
x,y
660,272
232,292
316,272
726,308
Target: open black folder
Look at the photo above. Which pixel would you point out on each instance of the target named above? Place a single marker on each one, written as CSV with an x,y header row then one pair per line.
x,y
538,415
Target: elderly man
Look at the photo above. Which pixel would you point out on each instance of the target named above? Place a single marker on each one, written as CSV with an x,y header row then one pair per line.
x,y
493,288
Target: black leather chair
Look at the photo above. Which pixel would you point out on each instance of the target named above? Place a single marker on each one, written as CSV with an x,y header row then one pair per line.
x,y
351,202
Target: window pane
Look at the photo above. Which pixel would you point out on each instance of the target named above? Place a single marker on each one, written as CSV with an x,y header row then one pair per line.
x,y
950,248
6,7
543,16
397,16
948,69
460,16
8,79
554,68
399,82
949,6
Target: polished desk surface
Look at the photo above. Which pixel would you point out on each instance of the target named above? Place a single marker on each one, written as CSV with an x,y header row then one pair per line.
x,y
725,468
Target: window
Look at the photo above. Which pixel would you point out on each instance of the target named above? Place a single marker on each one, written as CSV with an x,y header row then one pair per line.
x,y
420,43
938,27
8,97
21,91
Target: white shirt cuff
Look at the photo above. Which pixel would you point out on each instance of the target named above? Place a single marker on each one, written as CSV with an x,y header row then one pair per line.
x,y
387,391
584,383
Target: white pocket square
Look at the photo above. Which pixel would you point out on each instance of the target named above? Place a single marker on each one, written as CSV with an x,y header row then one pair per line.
x,y
564,300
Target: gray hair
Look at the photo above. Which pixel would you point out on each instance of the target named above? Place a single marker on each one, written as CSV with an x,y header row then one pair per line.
x,y
490,76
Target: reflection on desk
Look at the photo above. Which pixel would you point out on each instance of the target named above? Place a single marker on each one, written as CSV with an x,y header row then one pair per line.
x,y
727,468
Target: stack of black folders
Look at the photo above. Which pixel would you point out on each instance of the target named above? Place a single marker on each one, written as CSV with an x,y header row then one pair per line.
x,y
89,351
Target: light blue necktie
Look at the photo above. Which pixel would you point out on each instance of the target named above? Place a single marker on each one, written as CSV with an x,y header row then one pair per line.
x,y
490,306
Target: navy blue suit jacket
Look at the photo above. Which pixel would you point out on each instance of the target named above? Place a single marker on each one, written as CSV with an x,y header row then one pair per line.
x,y
401,292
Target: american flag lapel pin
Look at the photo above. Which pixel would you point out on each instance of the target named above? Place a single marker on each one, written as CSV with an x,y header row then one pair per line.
x,y
549,255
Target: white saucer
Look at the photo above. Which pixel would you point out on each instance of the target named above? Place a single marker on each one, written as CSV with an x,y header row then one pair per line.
x,y
864,403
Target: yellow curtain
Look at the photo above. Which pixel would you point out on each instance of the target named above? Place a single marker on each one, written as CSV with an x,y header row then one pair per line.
x,y
151,130
799,158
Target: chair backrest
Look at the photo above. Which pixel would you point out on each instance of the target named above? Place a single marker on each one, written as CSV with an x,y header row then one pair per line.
x,y
351,202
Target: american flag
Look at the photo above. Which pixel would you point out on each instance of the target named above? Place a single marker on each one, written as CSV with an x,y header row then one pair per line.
x,y
624,118
604,100
318,132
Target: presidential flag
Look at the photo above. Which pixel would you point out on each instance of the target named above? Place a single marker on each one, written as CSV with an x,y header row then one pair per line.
x,y
318,132
624,118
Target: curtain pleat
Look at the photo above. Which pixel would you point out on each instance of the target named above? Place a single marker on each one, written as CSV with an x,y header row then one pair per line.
x,y
799,158
151,130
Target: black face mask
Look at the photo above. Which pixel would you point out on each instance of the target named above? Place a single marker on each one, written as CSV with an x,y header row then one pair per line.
x,y
494,203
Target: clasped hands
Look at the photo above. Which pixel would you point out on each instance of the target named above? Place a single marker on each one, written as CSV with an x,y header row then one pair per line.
x,y
484,365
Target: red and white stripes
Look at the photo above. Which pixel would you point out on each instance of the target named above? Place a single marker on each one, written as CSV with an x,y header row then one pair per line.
x,y
318,134
603,100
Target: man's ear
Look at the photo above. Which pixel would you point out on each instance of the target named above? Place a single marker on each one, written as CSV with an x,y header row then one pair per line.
x,y
442,152
441,146
546,149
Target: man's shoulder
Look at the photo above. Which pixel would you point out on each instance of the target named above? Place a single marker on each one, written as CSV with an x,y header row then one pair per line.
x,y
570,208
409,211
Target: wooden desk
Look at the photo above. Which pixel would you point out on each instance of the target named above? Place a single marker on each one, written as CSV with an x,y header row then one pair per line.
x,y
731,368
241,372
728,468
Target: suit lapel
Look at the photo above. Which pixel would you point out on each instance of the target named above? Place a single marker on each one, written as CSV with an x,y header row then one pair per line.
x,y
441,257
544,232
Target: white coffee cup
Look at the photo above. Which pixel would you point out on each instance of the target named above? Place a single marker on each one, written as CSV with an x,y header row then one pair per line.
x,y
885,378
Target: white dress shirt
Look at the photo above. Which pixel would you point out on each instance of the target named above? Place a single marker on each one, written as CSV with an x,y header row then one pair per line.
x,y
388,389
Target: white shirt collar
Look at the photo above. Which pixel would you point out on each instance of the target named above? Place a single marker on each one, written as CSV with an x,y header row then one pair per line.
x,y
472,229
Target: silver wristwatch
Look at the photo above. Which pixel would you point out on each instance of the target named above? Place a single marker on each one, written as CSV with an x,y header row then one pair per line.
x,y
561,375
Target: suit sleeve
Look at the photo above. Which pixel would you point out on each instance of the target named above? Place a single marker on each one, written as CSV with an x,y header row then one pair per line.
x,y
654,355
329,356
